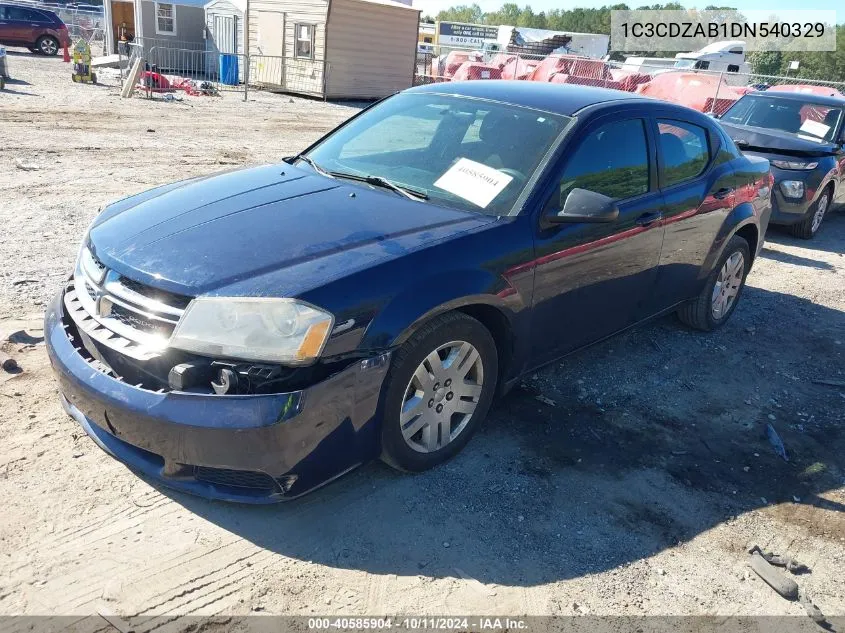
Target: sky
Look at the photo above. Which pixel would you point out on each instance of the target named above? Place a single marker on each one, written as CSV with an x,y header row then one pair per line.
x,y
431,7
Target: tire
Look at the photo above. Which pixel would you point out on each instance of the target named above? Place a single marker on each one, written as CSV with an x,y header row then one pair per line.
x,y
442,410
47,45
807,228
701,313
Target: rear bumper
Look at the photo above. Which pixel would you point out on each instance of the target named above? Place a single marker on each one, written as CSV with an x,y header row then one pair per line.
x,y
252,449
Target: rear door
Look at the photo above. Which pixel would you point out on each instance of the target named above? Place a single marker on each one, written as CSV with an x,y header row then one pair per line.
x,y
590,279
699,192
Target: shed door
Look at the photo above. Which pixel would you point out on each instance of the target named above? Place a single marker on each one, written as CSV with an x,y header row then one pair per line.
x,y
268,63
225,32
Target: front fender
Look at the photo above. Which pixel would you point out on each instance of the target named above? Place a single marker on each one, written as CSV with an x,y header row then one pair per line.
x,y
436,294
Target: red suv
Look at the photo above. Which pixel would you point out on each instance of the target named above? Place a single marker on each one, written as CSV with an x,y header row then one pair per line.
x,y
40,30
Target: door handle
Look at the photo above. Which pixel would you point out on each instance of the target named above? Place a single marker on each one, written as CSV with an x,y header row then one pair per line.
x,y
723,193
649,218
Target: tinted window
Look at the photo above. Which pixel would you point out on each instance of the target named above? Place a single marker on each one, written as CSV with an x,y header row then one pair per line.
x,y
727,149
612,160
733,68
684,149
702,65
23,15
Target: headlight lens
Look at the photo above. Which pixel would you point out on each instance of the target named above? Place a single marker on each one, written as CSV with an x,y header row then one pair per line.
x,y
794,164
252,328
792,188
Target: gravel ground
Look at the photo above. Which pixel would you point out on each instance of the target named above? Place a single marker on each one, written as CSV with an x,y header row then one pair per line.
x,y
633,490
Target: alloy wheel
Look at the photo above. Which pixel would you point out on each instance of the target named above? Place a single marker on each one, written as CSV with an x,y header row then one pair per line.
x,y
818,216
49,46
727,285
441,396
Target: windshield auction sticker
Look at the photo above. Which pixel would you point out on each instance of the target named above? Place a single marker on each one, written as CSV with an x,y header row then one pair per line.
x,y
692,30
473,181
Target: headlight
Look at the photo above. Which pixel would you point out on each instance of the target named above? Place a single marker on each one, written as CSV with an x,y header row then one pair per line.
x,y
792,188
251,328
794,164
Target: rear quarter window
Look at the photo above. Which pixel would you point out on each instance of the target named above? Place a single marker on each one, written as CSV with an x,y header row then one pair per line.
x,y
684,148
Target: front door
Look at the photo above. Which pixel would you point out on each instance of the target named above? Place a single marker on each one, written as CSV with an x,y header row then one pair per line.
x,y
590,279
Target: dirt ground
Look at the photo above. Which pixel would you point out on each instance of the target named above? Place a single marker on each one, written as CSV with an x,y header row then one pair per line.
x,y
635,490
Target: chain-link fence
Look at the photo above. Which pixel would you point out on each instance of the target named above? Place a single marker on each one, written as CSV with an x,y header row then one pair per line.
x,y
710,91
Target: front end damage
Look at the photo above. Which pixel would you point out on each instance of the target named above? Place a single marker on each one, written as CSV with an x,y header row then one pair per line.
x,y
232,430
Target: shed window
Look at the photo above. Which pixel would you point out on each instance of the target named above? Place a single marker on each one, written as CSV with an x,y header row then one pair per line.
x,y
304,41
165,19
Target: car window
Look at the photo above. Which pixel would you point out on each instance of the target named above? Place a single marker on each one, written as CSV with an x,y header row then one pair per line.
x,y
684,149
461,152
22,15
727,149
812,121
612,161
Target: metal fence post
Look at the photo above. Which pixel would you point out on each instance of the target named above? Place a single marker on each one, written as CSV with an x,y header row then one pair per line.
x,y
716,97
246,76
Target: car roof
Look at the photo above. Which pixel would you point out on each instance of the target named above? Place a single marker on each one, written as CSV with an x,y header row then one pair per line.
x,y
804,97
566,99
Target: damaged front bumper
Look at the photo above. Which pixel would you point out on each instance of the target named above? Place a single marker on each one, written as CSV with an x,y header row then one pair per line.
x,y
244,448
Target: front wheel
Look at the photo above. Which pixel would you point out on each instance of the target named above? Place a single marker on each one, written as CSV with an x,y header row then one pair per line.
x,y
439,389
721,293
809,226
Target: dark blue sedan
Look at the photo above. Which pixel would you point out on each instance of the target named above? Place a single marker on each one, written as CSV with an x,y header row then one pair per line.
x,y
253,335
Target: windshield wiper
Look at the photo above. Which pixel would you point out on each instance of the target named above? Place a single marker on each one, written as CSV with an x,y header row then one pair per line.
x,y
380,181
310,161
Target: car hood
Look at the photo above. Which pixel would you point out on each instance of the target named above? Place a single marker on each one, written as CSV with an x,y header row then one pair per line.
x,y
776,142
210,235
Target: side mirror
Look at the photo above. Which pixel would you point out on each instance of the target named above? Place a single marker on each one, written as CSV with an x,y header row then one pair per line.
x,y
582,205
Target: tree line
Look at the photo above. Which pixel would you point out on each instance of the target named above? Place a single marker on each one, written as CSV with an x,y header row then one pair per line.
x,y
827,65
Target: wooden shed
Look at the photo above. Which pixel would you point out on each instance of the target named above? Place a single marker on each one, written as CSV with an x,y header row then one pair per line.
x,y
337,49
224,27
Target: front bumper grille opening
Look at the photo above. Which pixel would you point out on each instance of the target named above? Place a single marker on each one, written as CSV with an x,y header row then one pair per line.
x,y
248,479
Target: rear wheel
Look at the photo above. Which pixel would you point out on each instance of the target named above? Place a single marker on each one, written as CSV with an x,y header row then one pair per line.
x,y
809,226
47,45
721,293
439,390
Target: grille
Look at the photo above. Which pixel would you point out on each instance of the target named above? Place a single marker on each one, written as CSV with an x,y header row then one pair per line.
x,y
120,313
170,298
236,478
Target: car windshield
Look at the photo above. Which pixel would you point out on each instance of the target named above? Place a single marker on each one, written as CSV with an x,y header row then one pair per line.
x,y
812,121
454,151
685,63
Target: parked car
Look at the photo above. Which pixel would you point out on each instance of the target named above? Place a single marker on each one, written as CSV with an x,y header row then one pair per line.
x,y
40,30
252,335
803,137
